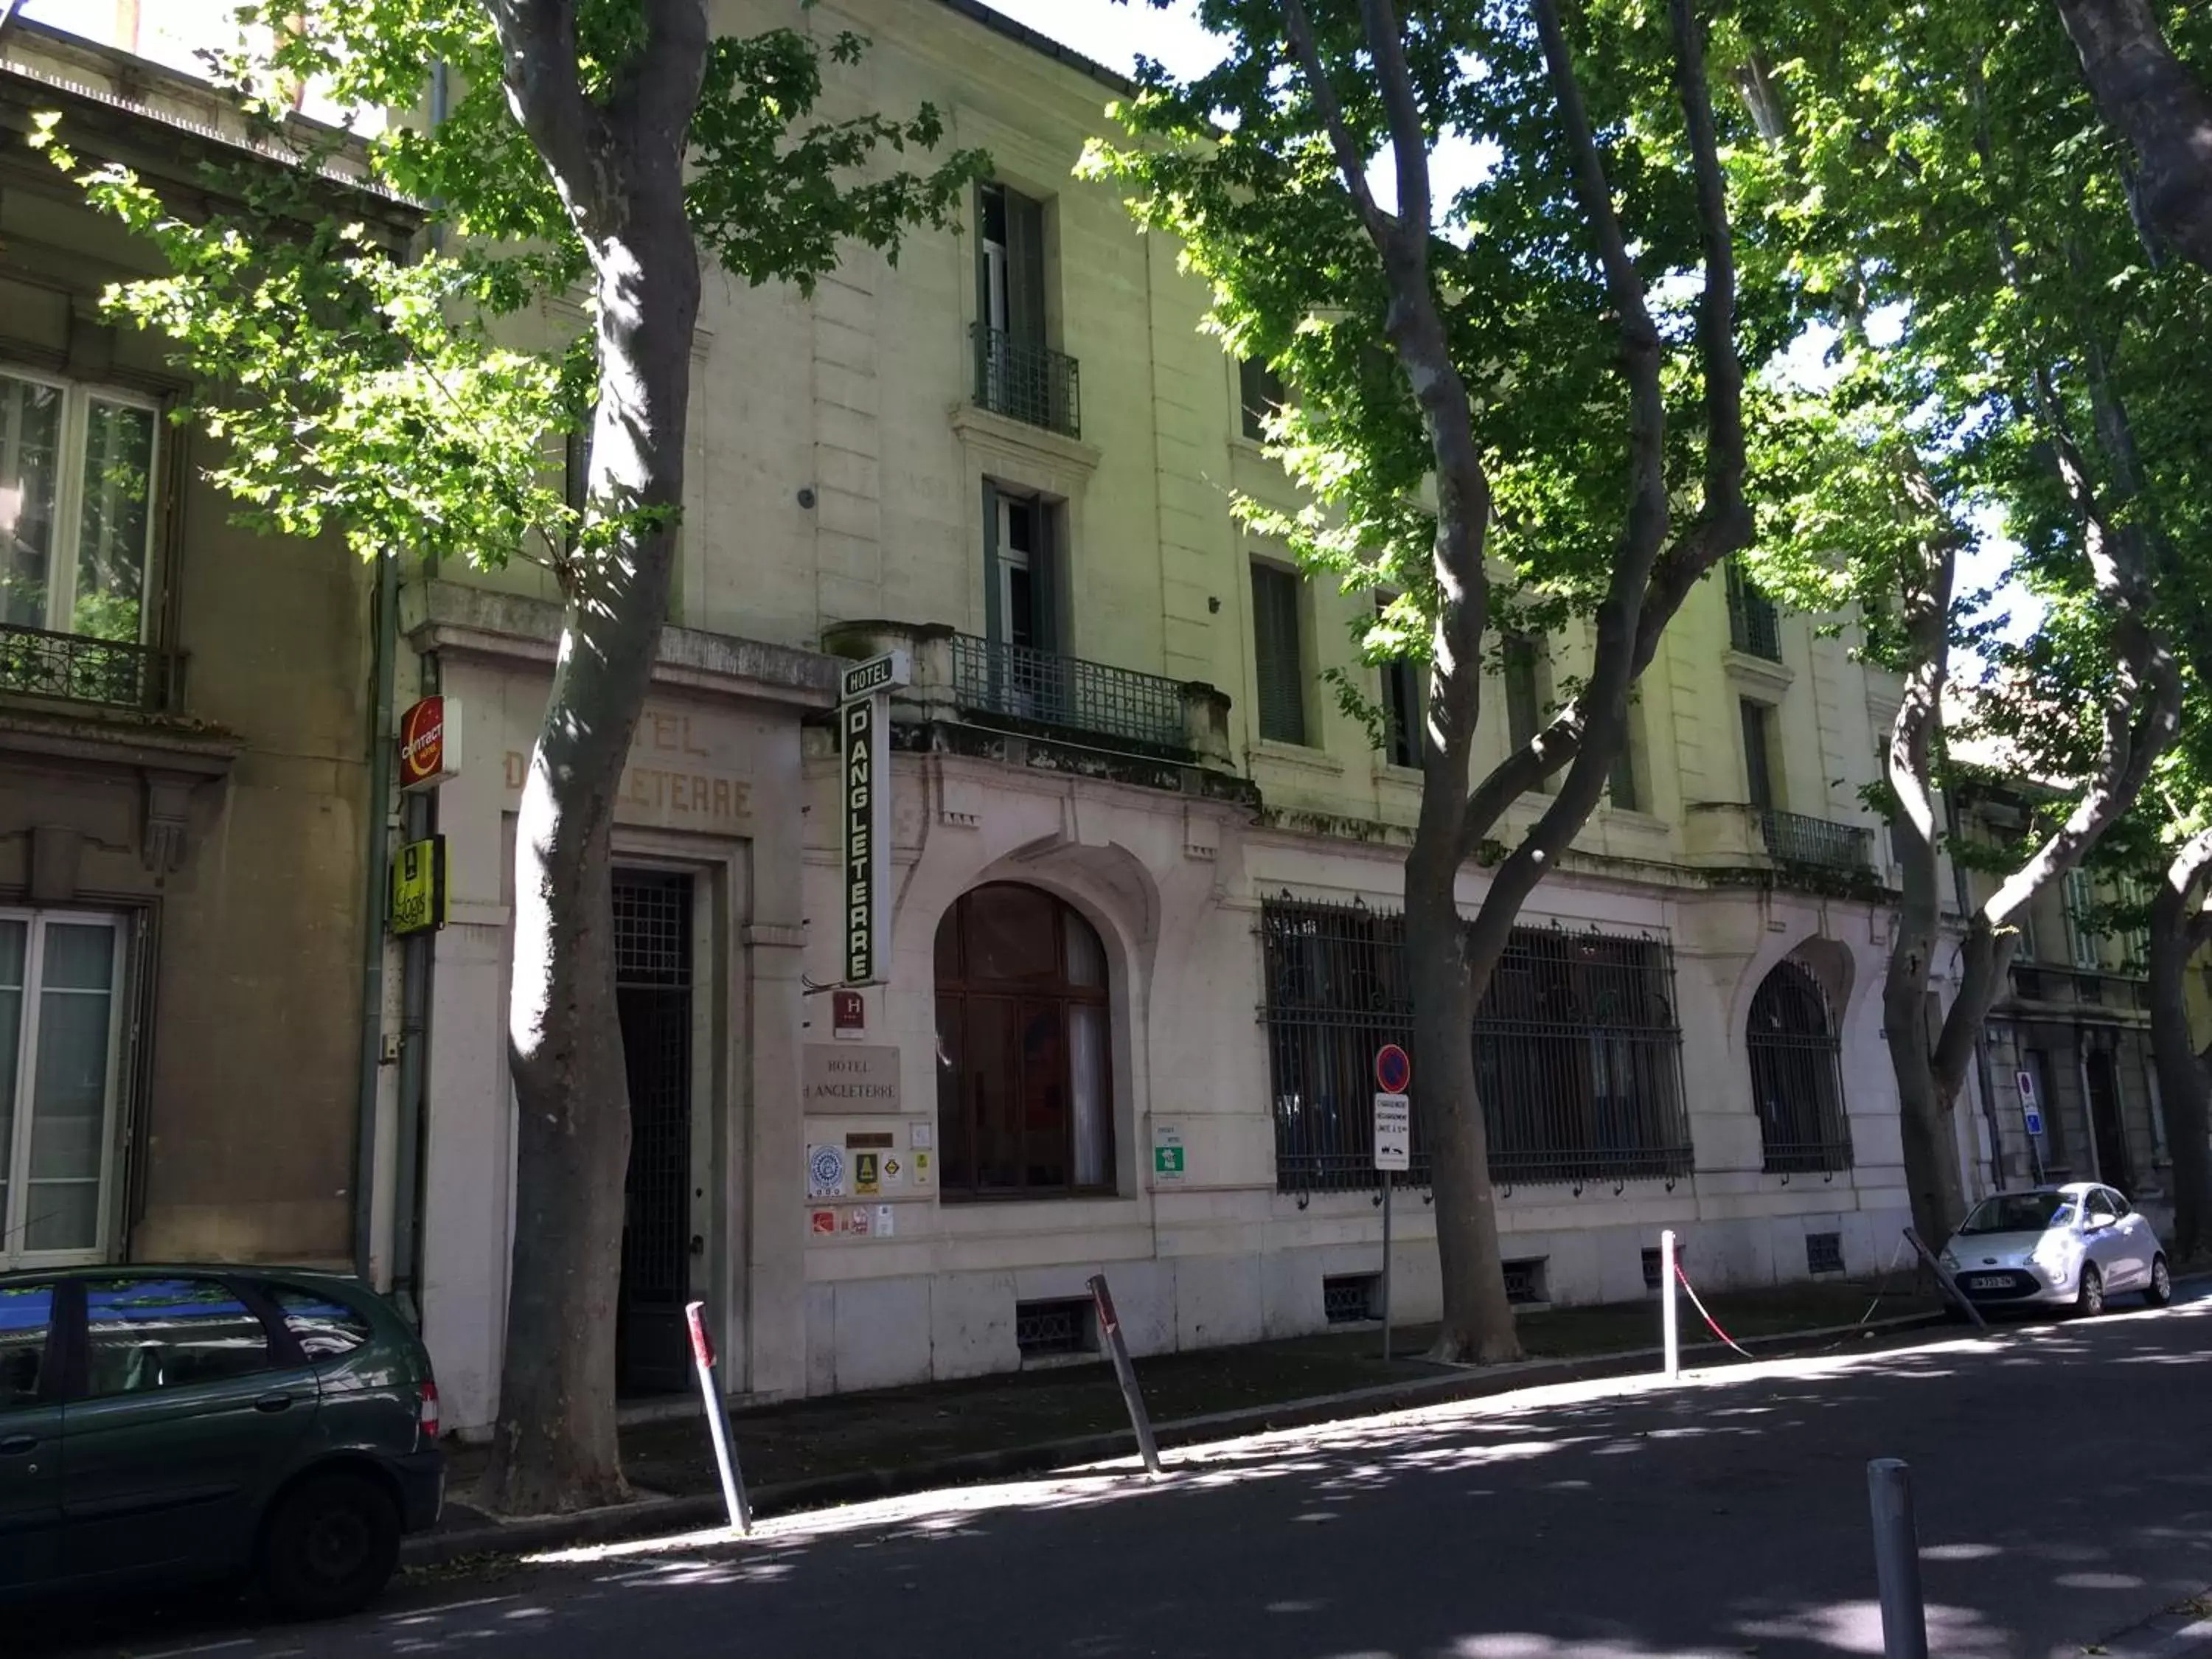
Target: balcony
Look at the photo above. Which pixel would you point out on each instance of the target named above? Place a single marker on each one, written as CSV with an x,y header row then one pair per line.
x,y
1032,384
79,668
1119,705
1755,624
1047,712
1793,838
2056,984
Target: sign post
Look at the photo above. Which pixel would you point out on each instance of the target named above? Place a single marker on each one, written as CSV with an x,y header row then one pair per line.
x,y
718,1420
864,727
2031,1113
1393,1148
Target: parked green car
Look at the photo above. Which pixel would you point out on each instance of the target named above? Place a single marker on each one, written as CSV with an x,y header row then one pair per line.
x,y
173,1425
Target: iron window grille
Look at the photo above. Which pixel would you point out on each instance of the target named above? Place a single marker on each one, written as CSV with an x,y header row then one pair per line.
x,y
1020,682
1824,1253
1793,838
1350,1298
1042,1329
1797,1075
1576,1048
1754,623
1653,1266
1030,383
1524,1280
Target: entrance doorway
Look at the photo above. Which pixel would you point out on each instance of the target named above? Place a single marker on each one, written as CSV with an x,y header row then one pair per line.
x,y
2105,1119
652,995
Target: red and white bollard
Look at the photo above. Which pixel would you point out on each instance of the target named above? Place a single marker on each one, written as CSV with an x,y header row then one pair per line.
x,y
718,1420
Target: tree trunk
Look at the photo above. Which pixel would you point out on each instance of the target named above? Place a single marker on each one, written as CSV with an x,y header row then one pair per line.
x,y
2150,98
1478,1320
620,171
2178,930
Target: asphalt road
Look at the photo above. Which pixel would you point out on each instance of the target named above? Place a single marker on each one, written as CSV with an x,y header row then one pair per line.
x,y
2063,1478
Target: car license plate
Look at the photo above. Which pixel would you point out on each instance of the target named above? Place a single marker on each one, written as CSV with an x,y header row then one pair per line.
x,y
1987,1282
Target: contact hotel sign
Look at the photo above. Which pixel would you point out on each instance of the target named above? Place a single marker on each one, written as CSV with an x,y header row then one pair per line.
x,y
864,730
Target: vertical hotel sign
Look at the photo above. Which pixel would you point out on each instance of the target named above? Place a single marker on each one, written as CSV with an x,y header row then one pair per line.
x,y
864,724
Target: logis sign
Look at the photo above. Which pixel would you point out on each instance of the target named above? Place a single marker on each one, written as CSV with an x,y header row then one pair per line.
x,y
863,724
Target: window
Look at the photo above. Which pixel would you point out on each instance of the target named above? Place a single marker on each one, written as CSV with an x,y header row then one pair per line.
x,y
1278,655
1401,707
1578,1053
1018,608
1824,1253
1620,780
1758,754
76,507
27,1316
1016,373
1524,695
142,1335
324,1328
1025,1099
1796,1075
60,1022
1260,391
2082,938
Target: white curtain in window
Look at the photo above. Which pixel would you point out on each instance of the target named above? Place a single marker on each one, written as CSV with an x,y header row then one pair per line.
x,y
113,513
60,982
1087,1061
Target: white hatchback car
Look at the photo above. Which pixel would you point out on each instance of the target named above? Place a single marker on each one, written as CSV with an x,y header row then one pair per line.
x,y
2075,1245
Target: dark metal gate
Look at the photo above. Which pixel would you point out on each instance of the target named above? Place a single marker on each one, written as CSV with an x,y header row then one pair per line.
x,y
652,992
1796,1075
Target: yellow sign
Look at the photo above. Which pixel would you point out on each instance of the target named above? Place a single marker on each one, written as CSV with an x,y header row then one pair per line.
x,y
418,887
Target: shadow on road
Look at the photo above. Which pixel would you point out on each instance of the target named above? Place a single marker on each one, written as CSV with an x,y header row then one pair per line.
x,y
2064,1476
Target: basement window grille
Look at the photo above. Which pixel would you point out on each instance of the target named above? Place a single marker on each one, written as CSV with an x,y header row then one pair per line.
x,y
1042,1329
1577,1050
1824,1253
1651,1268
1524,1281
1350,1299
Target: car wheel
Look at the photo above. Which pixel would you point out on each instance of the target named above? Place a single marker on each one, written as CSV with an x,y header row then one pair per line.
x,y
2089,1300
329,1545
2159,1290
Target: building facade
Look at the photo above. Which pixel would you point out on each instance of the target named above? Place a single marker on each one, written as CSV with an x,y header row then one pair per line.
x,y
1145,872
186,723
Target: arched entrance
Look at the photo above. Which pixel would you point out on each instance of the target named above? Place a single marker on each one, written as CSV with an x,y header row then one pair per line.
x,y
1796,1075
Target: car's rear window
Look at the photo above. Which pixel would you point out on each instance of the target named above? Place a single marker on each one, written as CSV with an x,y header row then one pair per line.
x,y
324,1327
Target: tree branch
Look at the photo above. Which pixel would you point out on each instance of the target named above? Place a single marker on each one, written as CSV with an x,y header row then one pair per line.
x,y
537,51
1655,585
653,102
2149,97
1409,139
1349,161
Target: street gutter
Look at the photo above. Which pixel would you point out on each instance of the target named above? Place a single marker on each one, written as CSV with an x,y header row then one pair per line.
x,y
652,1515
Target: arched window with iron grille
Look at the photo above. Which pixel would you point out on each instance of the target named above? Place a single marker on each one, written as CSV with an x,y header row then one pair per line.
x,y
1796,1075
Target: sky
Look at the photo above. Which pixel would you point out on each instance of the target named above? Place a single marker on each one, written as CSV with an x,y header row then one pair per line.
x,y
1109,32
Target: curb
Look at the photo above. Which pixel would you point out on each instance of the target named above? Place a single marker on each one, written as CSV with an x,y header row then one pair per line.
x,y
650,1516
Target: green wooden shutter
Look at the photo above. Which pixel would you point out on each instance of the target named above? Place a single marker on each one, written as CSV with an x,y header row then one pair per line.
x,y
1276,657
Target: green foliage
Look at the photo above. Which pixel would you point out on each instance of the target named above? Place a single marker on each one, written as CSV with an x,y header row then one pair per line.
x,y
1236,165
390,388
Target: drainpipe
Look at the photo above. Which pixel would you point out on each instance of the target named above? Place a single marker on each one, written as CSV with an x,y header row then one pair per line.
x,y
373,908
1983,1075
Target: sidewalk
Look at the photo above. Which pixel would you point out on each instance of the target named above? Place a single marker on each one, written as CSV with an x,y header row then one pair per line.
x,y
815,1452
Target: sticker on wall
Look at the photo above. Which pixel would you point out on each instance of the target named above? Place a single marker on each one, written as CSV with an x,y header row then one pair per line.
x,y
922,1170
867,1173
825,1171
922,1136
859,1222
894,1171
823,1221
883,1221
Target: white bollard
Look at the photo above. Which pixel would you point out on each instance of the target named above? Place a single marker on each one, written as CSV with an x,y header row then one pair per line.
x,y
734,1498
1670,1332
1897,1560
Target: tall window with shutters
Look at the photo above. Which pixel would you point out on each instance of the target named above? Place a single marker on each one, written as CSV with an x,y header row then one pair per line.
x,y
1260,391
1401,706
77,506
1278,653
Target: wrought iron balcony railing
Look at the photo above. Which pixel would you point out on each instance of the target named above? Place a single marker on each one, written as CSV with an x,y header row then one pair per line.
x,y
1019,683
1025,382
1755,624
1792,838
78,668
